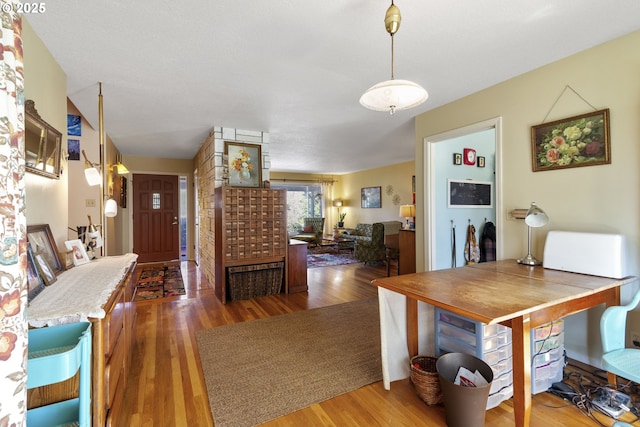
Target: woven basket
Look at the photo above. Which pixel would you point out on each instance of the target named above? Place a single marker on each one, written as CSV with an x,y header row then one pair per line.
x,y
425,379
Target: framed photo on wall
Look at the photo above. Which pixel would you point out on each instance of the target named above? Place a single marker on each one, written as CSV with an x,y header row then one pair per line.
x,y
370,197
245,164
581,140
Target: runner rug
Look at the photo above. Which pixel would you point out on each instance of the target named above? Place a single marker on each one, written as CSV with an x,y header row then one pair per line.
x,y
260,370
159,281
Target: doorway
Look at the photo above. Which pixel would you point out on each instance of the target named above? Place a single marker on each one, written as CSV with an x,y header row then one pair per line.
x,y
155,217
446,226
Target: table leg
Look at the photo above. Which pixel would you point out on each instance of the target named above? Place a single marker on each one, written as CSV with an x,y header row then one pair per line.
x,y
521,342
412,326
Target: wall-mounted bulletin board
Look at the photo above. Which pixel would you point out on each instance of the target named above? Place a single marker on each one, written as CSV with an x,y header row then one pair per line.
x,y
469,194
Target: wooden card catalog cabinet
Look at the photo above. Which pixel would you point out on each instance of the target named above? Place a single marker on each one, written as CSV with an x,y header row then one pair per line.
x,y
43,144
250,230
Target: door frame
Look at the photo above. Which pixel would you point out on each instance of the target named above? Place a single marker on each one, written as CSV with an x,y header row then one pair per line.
x,y
130,203
431,171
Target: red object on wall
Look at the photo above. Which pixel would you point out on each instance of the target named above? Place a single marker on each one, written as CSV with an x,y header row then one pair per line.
x,y
469,156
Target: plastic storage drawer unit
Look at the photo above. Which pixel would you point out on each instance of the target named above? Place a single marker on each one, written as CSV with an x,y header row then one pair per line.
x,y
491,343
547,354
55,354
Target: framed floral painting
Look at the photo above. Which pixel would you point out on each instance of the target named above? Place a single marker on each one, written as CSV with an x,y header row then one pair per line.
x,y
572,142
245,161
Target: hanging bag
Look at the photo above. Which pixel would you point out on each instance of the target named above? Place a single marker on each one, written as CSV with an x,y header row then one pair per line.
x,y
471,249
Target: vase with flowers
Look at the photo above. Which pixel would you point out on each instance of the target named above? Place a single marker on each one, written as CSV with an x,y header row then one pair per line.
x,y
242,165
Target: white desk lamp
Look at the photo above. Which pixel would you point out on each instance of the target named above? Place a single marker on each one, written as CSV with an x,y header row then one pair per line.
x,y
535,217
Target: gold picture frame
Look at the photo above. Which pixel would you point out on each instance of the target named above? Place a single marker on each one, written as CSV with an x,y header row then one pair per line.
x,y
244,164
581,140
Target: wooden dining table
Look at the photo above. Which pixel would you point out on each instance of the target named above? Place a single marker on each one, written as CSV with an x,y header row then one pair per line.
x,y
507,293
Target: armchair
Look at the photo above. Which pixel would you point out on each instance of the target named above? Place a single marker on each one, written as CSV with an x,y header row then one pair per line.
x,y
371,250
617,359
311,231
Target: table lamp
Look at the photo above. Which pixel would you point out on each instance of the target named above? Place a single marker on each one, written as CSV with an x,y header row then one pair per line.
x,y
407,211
535,217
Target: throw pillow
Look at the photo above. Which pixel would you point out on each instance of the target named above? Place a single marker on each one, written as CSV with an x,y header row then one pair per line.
x,y
308,229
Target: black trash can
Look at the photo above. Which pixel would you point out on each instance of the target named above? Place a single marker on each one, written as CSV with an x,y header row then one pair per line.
x,y
464,406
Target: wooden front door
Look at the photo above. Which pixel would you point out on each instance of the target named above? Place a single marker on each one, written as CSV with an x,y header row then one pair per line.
x,y
155,217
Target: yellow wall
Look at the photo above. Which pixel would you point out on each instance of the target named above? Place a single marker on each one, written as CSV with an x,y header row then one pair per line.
x,y
593,199
395,183
394,180
46,84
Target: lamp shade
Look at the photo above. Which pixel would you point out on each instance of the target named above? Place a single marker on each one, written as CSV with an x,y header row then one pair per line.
x,y
394,95
407,211
337,203
536,217
111,208
92,176
122,169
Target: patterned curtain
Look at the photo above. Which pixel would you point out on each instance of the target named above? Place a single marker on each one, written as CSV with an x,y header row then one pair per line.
x,y
13,258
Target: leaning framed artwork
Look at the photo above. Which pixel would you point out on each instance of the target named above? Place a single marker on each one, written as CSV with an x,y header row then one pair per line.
x,y
35,282
370,197
244,161
576,141
45,270
43,244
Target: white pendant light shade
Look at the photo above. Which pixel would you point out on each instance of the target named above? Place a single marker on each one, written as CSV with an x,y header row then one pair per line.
x,y
394,95
92,176
110,208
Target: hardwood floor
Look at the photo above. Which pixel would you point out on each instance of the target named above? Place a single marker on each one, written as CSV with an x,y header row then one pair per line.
x,y
166,387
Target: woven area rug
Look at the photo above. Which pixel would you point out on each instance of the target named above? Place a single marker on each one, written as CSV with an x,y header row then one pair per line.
x,y
263,369
324,259
159,281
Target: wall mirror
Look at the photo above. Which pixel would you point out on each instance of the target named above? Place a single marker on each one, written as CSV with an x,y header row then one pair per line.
x,y
43,144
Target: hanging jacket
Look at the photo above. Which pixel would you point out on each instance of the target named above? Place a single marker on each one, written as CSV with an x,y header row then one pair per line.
x,y
488,243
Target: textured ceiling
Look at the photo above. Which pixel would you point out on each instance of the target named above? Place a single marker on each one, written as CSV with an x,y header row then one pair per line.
x,y
172,70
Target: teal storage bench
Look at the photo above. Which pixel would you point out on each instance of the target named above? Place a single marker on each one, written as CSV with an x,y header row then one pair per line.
x,y
55,354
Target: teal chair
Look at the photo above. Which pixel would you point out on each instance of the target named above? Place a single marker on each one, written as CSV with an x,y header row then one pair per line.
x,y
616,359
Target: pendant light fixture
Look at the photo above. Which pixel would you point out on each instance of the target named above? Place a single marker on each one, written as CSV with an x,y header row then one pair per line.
x,y
393,95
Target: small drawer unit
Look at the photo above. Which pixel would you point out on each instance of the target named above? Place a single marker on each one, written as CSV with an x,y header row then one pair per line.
x,y
491,343
547,354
